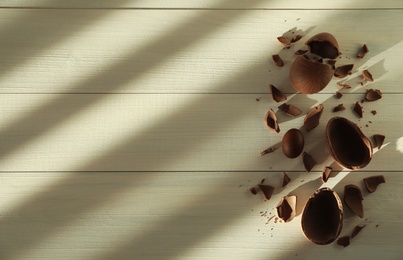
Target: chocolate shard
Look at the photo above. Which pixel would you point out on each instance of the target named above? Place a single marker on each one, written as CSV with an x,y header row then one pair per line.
x,y
271,121
364,50
338,95
308,161
276,94
278,60
301,52
284,41
378,139
267,190
353,199
343,71
268,150
286,208
326,173
373,95
339,108
371,183
286,179
296,38
343,241
357,230
312,118
290,109
341,85
358,109
367,75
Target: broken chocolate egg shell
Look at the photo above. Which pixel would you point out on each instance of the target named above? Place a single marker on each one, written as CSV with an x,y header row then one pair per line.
x,y
363,51
343,241
278,60
347,144
277,95
293,143
312,118
308,161
373,95
353,199
371,183
286,209
326,173
309,77
267,190
271,121
343,71
378,139
324,44
322,218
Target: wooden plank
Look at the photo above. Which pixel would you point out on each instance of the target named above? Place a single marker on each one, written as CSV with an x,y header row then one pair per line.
x,y
182,215
229,4
177,132
184,51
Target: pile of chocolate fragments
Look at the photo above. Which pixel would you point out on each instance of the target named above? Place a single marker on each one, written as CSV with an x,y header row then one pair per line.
x,y
311,72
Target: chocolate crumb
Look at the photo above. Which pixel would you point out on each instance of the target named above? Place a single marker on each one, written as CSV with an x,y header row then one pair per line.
x,y
262,181
338,95
253,190
358,109
367,75
339,108
376,226
373,112
258,99
357,230
277,60
343,241
364,50
267,190
308,161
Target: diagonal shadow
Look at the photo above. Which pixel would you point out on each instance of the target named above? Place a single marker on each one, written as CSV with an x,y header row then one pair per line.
x,y
31,34
42,119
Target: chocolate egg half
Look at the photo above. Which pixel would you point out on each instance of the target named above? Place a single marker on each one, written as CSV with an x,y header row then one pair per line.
x,y
293,143
322,218
347,144
324,44
309,77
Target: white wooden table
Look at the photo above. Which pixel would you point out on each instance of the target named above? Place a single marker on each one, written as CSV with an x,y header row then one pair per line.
x,y
131,129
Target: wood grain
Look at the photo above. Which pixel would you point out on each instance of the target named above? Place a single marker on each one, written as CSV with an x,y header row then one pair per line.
x,y
181,51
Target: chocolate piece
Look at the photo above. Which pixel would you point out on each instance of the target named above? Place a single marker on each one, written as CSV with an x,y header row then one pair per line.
x,y
253,190
347,144
296,38
308,161
268,150
322,217
371,183
373,95
311,119
286,208
286,179
309,77
277,60
367,75
326,173
284,41
357,230
343,71
276,94
339,108
373,112
343,241
290,109
267,190
353,199
364,50
301,52
271,121
341,85
293,143
338,95
358,109
378,140
324,44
